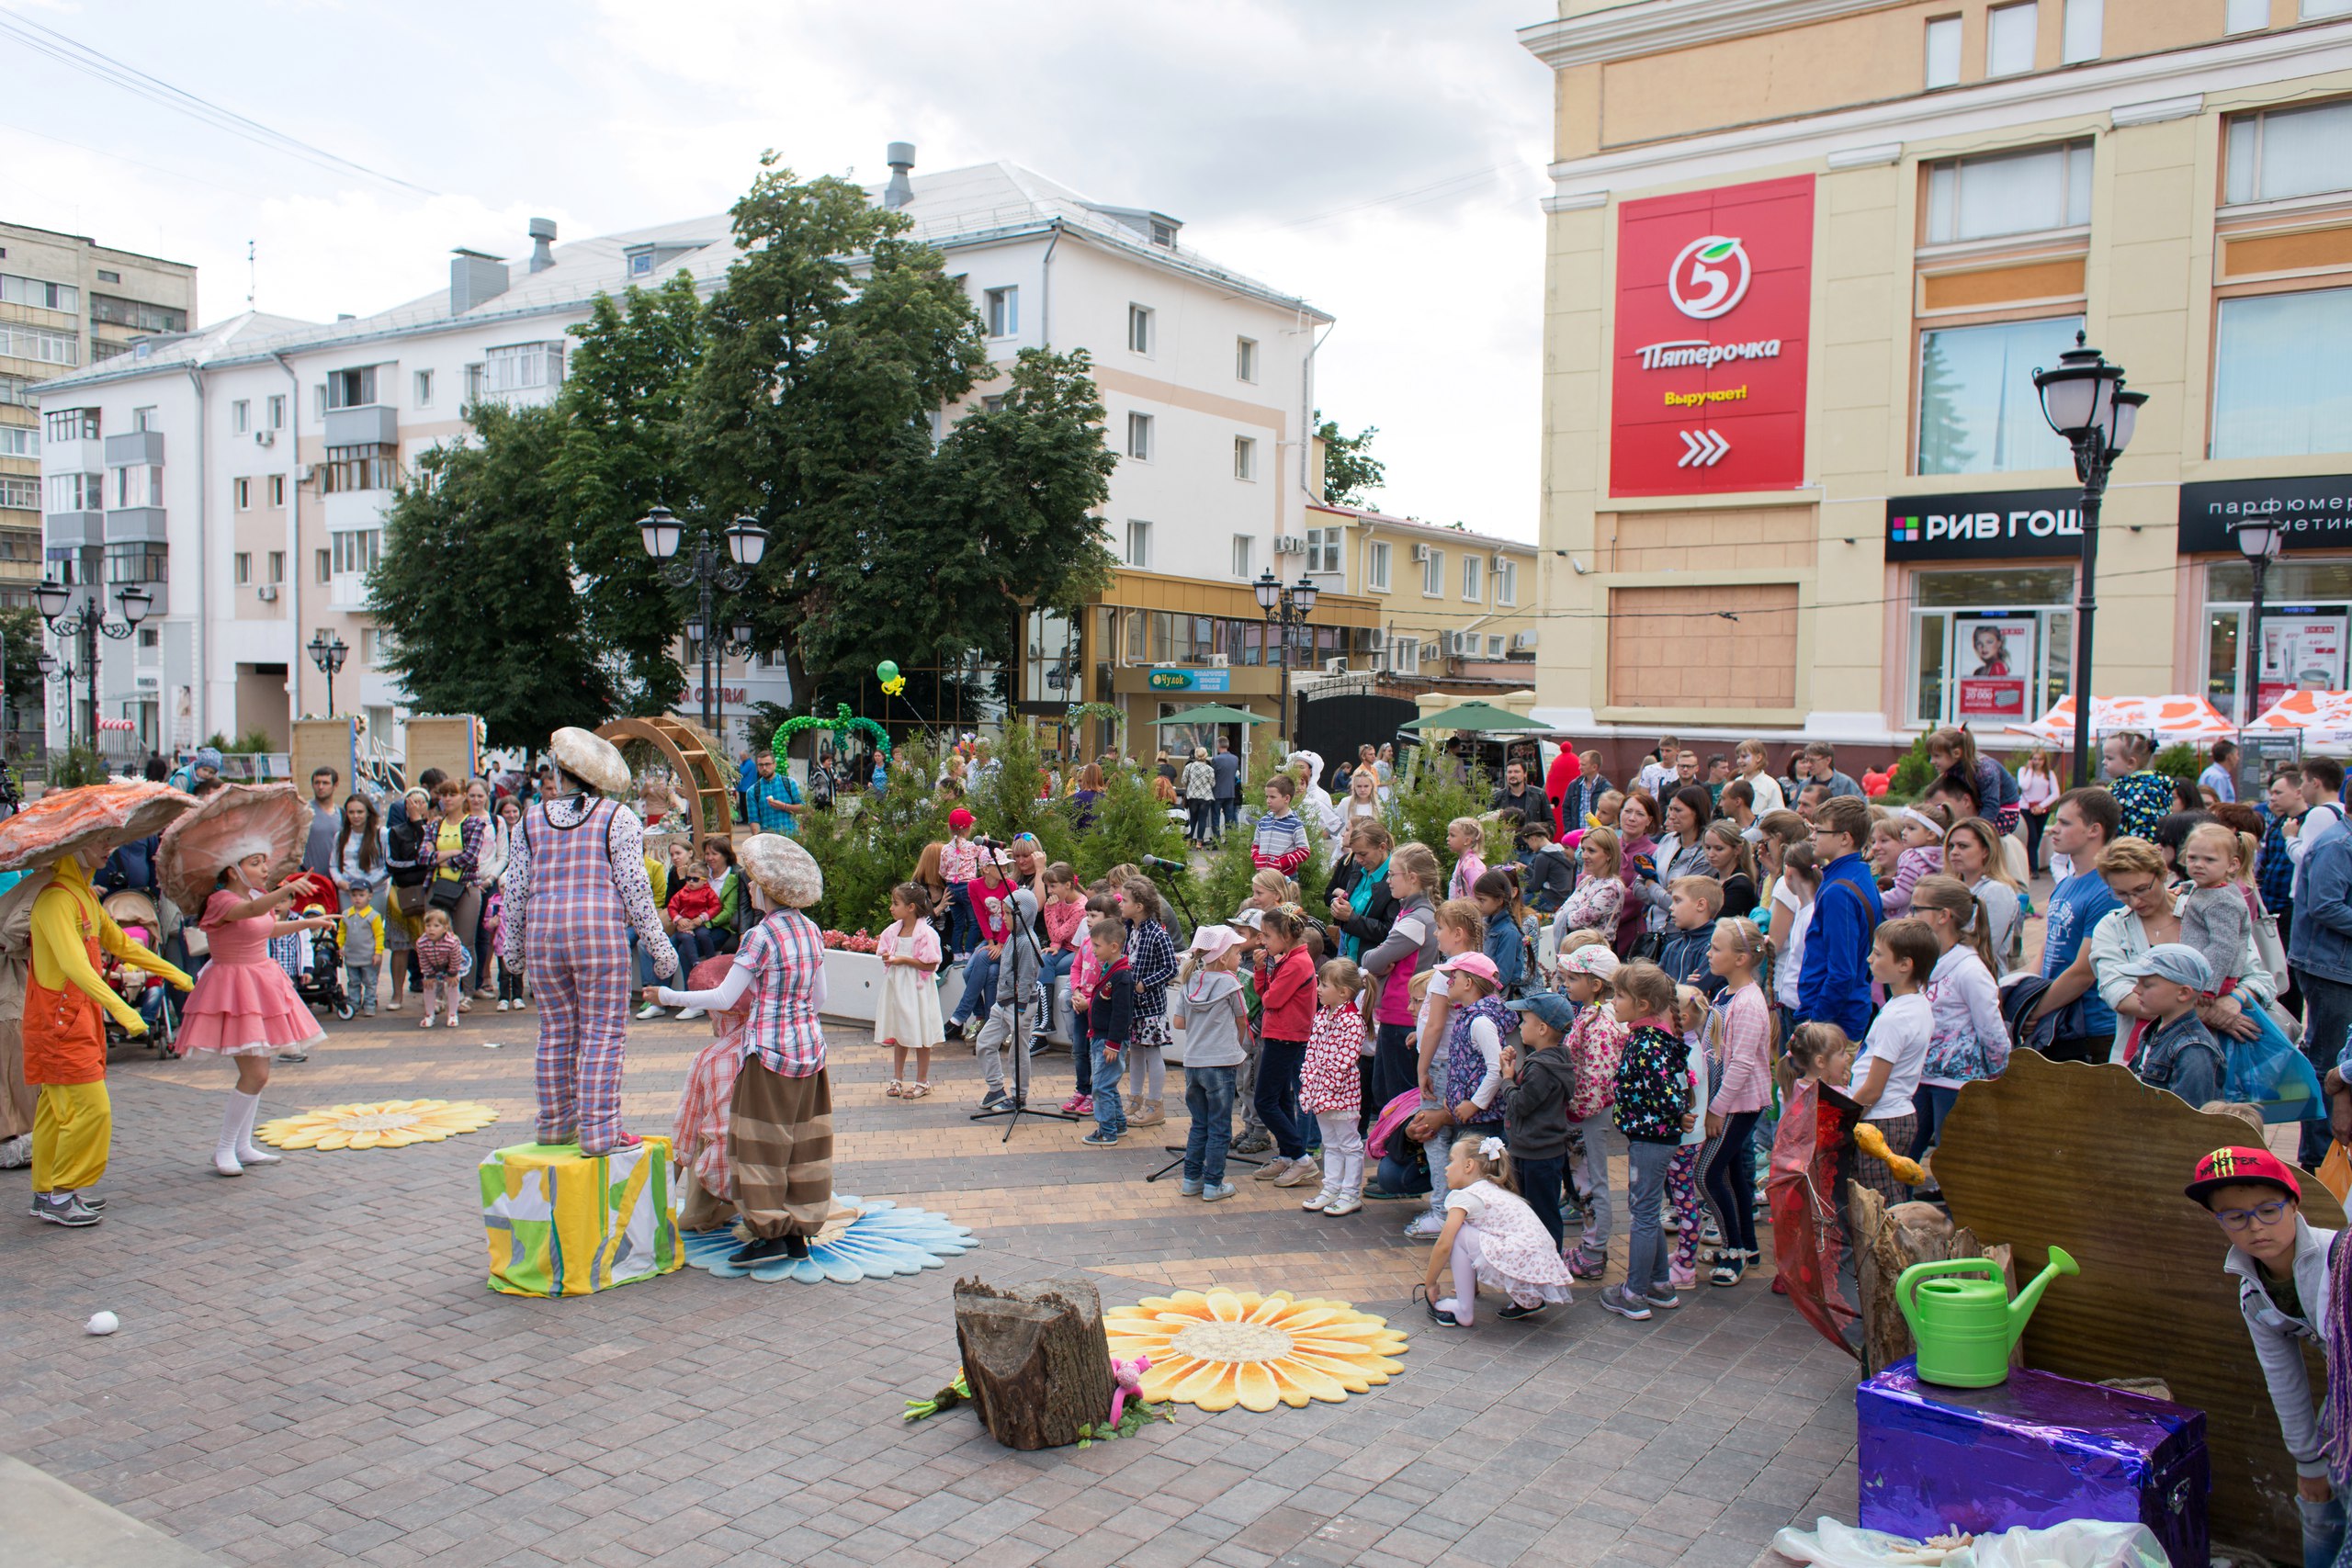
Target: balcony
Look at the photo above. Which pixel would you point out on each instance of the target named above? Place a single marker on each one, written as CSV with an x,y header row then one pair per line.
x,y
73,457
134,524
348,509
77,530
347,591
139,446
372,424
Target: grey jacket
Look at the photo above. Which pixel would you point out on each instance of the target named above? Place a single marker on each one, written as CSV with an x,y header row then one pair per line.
x,y
2278,1339
1209,1006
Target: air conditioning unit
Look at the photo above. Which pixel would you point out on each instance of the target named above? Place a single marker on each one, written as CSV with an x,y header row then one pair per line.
x,y
302,475
1289,545
1501,561
1522,642
1432,651
264,438
1379,639
1462,644
1220,661
266,592
1420,554
1335,667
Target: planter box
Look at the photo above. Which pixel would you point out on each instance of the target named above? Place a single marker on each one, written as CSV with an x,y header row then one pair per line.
x,y
853,984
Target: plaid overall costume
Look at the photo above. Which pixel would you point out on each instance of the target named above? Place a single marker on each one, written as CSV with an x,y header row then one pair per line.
x,y
780,1127
576,954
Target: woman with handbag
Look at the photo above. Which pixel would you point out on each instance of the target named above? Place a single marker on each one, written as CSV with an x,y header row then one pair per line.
x,y
494,866
405,906
451,851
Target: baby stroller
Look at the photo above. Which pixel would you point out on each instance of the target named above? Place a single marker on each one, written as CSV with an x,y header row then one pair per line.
x,y
314,960
140,921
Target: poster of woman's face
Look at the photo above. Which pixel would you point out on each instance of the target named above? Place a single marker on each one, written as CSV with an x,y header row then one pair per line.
x,y
1990,645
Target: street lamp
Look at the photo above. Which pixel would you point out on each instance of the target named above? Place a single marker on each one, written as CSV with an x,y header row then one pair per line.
x,y
1286,606
328,651
2258,540
51,597
705,570
2085,403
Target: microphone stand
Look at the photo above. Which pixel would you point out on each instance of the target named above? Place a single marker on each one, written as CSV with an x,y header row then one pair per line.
x,y
1174,887
1017,1045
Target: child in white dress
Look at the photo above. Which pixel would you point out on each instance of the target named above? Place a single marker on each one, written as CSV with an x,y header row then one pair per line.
x,y
1492,1238
907,1017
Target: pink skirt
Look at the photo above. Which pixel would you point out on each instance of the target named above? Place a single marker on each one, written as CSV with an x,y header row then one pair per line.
x,y
245,1010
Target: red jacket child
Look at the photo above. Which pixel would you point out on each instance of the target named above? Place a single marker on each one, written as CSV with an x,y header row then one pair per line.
x,y
1288,998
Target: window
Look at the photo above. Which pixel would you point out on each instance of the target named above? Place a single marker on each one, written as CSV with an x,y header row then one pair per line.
x,y
356,550
1243,546
319,401
2008,38
1473,579
522,368
1139,436
1404,653
241,416
14,290
243,490
18,391
371,653
1245,457
104,275
1323,548
474,383
245,565
145,419
2306,603
140,560
1433,575
2314,9
40,344
277,566
77,492
994,404
21,491
278,412
2085,19
138,484
2280,384
71,424
1986,646
278,489
640,263
1506,580
1978,411
2009,193
1138,328
357,467
1375,566
351,388
2246,16
2284,153
1245,359
19,441
1003,311
1139,545
421,386
137,314
322,565
1943,52
1493,644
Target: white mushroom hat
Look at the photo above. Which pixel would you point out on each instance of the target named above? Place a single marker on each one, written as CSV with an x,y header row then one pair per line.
x,y
590,757
785,872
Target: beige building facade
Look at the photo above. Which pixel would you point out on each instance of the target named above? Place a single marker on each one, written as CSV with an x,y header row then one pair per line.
x,y
1803,258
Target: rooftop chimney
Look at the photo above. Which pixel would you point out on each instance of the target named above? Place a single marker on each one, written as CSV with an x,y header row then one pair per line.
x,y
899,192
542,236
474,277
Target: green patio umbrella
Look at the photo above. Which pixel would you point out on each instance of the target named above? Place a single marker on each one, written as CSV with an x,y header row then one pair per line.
x,y
1212,713
1476,717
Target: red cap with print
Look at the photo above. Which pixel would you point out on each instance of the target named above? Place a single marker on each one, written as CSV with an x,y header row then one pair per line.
x,y
2230,1166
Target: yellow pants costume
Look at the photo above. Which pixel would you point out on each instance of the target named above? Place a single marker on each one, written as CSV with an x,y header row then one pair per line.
x,y
73,1128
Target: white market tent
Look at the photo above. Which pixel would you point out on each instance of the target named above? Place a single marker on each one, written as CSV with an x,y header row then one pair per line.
x,y
2169,718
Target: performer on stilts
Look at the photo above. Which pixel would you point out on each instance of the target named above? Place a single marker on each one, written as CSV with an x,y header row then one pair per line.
x,y
780,1125
575,886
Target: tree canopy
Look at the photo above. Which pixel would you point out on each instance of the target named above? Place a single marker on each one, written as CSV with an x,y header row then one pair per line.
x,y
1350,473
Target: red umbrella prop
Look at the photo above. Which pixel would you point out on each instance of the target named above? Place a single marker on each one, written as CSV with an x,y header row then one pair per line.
x,y
99,819
227,826
1812,1159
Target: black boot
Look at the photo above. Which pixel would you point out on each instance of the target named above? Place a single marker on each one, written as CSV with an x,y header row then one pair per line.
x,y
795,1246
766,1249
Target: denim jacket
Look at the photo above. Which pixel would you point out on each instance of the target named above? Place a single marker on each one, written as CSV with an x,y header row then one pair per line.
x,y
2321,942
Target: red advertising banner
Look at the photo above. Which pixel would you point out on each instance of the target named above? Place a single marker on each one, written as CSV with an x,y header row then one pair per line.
x,y
1714,300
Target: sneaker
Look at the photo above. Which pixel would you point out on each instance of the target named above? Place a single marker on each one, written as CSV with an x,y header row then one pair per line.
x,y
1425,1226
1322,1200
1711,1233
1188,1188
1085,1106
1073,1105
687,1015
1273,1171
1342,1205
955,1029
92,1202
1516,1312
1256,1142
1217,1194
649,1012
1100,1138
367,1011
1443,1314
63,1209
293,1056
1682,1279
1624,1303
1666,1300
1376,1194
504,1004
1302,1171
993,1099
1671,1221
764,1250
1584,1265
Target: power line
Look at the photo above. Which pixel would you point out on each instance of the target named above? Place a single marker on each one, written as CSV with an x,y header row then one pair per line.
x,y
103,67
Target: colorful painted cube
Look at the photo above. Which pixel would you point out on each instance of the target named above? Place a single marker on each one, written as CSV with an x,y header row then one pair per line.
x,y
565,1224
2037,1449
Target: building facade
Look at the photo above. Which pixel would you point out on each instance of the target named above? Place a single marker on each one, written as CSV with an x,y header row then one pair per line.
x,y
288,438
1456,611
1804,259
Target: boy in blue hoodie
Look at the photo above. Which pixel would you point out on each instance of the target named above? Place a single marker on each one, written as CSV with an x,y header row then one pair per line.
x,y
1834,985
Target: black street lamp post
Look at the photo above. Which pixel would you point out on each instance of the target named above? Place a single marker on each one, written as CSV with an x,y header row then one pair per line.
x,y
2259,539
1286,606
328,651
2085,403
51,597
707,572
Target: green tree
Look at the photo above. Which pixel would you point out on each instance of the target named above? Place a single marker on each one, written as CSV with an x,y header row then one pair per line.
x,y
1944,446
475,589
20,645
1129,823
1350,473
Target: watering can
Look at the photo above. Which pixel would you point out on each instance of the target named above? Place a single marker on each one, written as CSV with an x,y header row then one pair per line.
x,y
1965,1327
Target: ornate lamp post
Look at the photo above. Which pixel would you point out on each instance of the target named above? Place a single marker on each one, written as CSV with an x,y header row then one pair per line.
x,y
327,650
2258,540
51,597
706,571
1286,606
2085,403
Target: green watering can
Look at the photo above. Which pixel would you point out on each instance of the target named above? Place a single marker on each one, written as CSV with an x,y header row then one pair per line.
x,y
1965,1327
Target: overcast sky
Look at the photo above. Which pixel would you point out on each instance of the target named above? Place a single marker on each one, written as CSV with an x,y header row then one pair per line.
x,y
1382,158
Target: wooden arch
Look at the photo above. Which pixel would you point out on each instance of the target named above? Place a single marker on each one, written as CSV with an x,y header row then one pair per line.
x,y
692,762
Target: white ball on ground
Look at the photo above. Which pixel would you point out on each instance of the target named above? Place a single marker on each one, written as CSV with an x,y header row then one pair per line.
x,y
102,1322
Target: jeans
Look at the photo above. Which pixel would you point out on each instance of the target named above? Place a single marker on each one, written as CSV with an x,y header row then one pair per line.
x,y
1279,1062
979,986
1594,1173
360,980
1539,1183
1645,1165
1109,1116
1931,1105
1202,823
963,926
1728,1179
1054,1017
2327,1014
1227,810
1438,1148
1208,1099
2323,1529
1399,1174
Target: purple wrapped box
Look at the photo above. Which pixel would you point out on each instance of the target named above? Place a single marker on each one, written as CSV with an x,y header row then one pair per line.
x,y
2034,1450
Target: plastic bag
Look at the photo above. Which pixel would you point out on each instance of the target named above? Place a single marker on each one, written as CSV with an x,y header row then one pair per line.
x,y
2077,1543
2269,1072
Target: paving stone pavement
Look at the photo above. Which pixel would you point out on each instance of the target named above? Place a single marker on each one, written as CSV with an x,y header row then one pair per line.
x,y
312,1371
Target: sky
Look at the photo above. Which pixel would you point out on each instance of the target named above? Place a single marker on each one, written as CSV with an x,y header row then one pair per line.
x,y
1381,158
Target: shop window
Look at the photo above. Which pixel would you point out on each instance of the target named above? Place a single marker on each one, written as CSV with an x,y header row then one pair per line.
x,y
1989,647
1978,412
2009,193
2305,609
2281,387
2282,152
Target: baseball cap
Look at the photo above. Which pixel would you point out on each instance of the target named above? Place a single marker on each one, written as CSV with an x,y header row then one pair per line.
x,y
959,818
1253,919
1555,1010
1594,959
1212,943
2174,961
1476,964
2225,1167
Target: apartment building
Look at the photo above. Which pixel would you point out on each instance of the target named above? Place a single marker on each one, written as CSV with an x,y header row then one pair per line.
x,y
1456,611
295,433
1804,259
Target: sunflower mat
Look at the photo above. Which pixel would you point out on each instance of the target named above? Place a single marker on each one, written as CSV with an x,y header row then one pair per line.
x,y
385,1124
877,1241
1218,1348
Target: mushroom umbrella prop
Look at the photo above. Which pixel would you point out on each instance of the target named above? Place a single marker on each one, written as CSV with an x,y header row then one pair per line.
x,y
234,822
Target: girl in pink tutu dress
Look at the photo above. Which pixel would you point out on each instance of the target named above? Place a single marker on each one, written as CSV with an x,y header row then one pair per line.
x,y
243,1007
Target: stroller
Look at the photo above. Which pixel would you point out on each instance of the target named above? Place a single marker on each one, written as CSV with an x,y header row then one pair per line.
x,y
136,913
314,960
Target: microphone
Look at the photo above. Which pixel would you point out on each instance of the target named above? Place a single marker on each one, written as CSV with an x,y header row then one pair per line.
x,y
1164,864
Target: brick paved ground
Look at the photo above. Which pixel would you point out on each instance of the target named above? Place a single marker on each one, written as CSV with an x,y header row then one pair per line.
x,y
310,1369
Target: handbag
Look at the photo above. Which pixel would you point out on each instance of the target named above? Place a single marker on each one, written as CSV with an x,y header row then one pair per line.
x,y
2272,953
446,893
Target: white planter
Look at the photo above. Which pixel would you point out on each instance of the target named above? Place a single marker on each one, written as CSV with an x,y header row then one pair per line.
x,y
853,984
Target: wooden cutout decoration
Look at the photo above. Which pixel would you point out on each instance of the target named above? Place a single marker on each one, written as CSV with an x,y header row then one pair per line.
x,y
2088,1157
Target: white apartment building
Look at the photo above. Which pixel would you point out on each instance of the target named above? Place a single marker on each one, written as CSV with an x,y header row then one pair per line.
x,y
242,471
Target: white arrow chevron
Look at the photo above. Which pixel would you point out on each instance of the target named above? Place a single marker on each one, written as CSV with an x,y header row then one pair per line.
x,y
1702,448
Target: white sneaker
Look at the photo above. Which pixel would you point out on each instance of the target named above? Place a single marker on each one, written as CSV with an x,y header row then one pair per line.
x,y
648,1011
687,1015
502,1004
1319,1200
1425,1225
1345,1203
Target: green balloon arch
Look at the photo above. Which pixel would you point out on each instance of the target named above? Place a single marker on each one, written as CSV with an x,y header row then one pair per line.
x,y
843,723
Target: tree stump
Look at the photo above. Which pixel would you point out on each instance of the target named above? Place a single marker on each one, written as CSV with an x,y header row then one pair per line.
x,y
1035,1358
1886,1241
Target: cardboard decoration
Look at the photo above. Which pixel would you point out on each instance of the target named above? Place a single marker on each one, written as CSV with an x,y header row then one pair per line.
x,y
2088,1157
561,1223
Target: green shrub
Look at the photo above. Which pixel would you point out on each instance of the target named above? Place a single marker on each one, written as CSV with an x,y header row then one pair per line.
x,y
867,844
1129,825
1428,798
74,766
1913,772
2180,761
1009,803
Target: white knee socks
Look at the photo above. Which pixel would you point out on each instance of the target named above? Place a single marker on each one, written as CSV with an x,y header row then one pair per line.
x,y
236,1149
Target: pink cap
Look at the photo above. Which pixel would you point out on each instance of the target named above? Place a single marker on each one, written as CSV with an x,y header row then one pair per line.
x,y
1476,964
959,818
